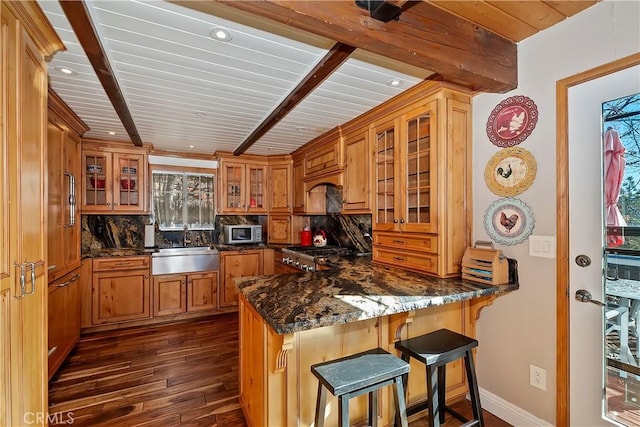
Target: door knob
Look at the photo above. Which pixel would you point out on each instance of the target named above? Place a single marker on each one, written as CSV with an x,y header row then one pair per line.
x,y
584,295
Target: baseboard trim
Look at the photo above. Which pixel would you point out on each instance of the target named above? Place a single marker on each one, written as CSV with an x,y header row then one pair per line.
x,y
509,412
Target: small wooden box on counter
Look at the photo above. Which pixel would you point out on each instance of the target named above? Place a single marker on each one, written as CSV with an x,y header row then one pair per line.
x,y
485,265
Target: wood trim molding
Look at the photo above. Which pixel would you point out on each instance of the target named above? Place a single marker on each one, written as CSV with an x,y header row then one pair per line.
x,y
562,225
66,114
37,26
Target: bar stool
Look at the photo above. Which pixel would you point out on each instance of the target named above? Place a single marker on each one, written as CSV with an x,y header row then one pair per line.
x,y
435,350
357,374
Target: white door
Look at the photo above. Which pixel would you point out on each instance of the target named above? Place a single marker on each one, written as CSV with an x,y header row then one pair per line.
x,y
586,238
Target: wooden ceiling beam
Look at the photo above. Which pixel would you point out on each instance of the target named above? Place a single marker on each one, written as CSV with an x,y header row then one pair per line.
x,y
425,36
330,62
78,16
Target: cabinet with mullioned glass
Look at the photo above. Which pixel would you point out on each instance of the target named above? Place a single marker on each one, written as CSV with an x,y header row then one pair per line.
x,y
421,171
243,185
113,180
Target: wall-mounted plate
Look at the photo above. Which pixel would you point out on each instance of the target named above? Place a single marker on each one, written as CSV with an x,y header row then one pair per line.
x,y
509,221
510,171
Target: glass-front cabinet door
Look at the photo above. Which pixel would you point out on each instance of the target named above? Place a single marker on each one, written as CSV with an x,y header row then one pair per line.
x,y
243,188
128,183
386,157
419,169
233,176
97,172
256,186
113,182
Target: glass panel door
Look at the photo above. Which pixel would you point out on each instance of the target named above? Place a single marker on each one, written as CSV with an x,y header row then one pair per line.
x,y
621,156
127,182
256,187
97,184
385,175
418,213
234,178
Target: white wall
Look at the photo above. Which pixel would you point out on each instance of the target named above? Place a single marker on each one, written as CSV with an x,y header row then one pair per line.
x,y
520,329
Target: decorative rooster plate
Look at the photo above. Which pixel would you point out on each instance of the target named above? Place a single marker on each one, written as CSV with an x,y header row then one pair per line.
x,y
512,121
509,221
510,171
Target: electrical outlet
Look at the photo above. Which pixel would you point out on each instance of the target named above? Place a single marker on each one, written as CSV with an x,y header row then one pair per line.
x,y
538,377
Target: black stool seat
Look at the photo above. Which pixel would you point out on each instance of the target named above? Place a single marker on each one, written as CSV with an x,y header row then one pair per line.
x,y
357,374
435,350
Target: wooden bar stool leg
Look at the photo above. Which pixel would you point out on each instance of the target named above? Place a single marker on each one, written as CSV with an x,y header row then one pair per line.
x,y
373,408
442,383
401,404
321,403
473,388
432,396
343,408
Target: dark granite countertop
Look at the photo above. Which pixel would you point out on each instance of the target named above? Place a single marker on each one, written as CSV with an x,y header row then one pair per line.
x,y
353,289
118,252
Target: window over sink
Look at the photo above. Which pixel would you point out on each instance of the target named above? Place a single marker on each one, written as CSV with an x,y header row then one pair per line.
x,y
183,199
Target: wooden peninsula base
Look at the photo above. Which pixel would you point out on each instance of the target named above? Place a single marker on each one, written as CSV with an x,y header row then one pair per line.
x,y
278,389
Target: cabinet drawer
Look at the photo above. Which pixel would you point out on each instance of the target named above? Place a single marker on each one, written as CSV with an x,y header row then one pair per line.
x,y
417,242
402,259
120,263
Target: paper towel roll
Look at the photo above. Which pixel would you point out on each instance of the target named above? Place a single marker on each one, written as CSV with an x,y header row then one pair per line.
x,y
149,236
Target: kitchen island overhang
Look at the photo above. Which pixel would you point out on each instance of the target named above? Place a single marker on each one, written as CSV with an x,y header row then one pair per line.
x,y
290,321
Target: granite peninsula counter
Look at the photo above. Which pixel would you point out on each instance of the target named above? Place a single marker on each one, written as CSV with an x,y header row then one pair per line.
x,y
290,321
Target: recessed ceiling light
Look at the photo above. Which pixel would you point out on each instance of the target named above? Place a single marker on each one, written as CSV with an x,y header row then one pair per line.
x,y
66,71
200,113
220,34
300,128
111,132
192,146
394,82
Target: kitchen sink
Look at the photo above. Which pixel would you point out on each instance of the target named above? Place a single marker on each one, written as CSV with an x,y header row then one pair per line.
x,y
184,260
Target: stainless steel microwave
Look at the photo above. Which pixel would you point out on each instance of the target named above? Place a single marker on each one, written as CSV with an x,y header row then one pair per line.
x,y
242,233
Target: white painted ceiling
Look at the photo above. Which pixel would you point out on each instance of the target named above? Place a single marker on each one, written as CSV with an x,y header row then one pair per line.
x,y
192,94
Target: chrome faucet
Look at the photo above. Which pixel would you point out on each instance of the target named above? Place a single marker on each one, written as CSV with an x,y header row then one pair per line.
x,y
186,241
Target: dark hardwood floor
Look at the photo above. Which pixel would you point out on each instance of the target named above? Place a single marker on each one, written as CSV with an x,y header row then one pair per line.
x,y
183,374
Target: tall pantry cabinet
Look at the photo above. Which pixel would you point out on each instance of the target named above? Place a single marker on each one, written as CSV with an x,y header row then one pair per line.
x,y
63,220
26,39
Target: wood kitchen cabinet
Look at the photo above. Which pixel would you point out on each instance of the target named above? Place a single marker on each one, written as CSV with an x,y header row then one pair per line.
x,y
181,293
243,184
64,318
63,178
27,39
356,196
237,264
285,229
280,184
113,179
121,289
421,171
297,181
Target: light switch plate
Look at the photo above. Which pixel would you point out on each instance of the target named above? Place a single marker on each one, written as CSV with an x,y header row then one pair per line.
x,y
542,246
